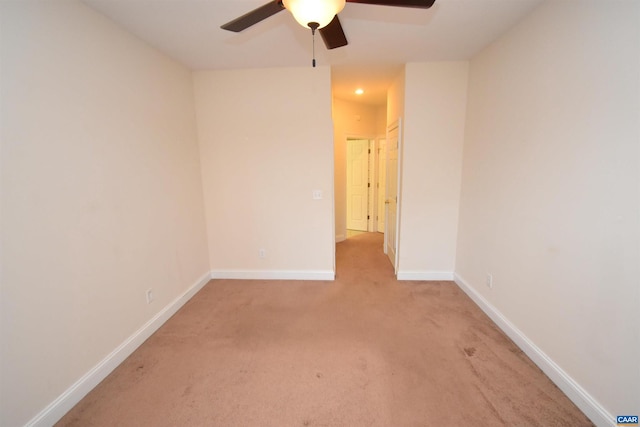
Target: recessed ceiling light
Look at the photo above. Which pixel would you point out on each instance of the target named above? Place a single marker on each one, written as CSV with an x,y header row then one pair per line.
x,y
359,91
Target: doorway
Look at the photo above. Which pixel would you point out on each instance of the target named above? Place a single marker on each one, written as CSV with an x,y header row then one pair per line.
x,y
393,188
365,182
358,184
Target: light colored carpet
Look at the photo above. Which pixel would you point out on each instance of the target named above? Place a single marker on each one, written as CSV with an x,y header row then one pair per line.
x,y
364,350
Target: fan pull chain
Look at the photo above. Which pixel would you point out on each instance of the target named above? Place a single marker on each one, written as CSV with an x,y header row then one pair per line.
x,y
313,26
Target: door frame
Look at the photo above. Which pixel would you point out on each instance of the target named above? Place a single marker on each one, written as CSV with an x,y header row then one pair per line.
x,y
373,174
380,184
363,178
395,124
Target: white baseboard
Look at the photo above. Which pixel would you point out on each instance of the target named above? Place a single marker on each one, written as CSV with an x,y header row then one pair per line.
x,y
67,400
273,274
578,395
425,275
340,238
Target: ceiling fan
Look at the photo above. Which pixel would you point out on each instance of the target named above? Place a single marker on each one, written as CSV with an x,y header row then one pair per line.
x,y
316,14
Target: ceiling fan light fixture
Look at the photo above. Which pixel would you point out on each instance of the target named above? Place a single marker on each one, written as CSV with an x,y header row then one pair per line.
x,y
308,11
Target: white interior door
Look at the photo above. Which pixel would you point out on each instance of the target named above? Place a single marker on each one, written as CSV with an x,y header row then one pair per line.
x,y
392,190
357,183
382,183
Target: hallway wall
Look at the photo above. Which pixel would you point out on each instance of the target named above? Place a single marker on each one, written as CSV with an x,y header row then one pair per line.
x,y
350,119
433,135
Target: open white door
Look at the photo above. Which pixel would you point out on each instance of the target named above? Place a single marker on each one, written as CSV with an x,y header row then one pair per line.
x,y
392,191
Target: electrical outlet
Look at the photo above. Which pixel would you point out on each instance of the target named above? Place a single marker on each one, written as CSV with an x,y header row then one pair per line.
x,y
150,296
489,280
262,253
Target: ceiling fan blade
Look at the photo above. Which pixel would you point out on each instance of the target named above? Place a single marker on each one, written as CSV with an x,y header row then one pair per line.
x,y
420,4
333,35
253,17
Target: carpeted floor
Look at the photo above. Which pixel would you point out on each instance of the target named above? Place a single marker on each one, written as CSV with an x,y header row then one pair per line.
x,y
364,350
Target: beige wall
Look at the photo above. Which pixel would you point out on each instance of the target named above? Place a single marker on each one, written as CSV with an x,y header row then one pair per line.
x,y
266,142
395,99
350,119
550,199
435,105
101,196
381,120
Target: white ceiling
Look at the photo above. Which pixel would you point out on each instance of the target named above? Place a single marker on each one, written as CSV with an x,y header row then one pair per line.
x,y
381,38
